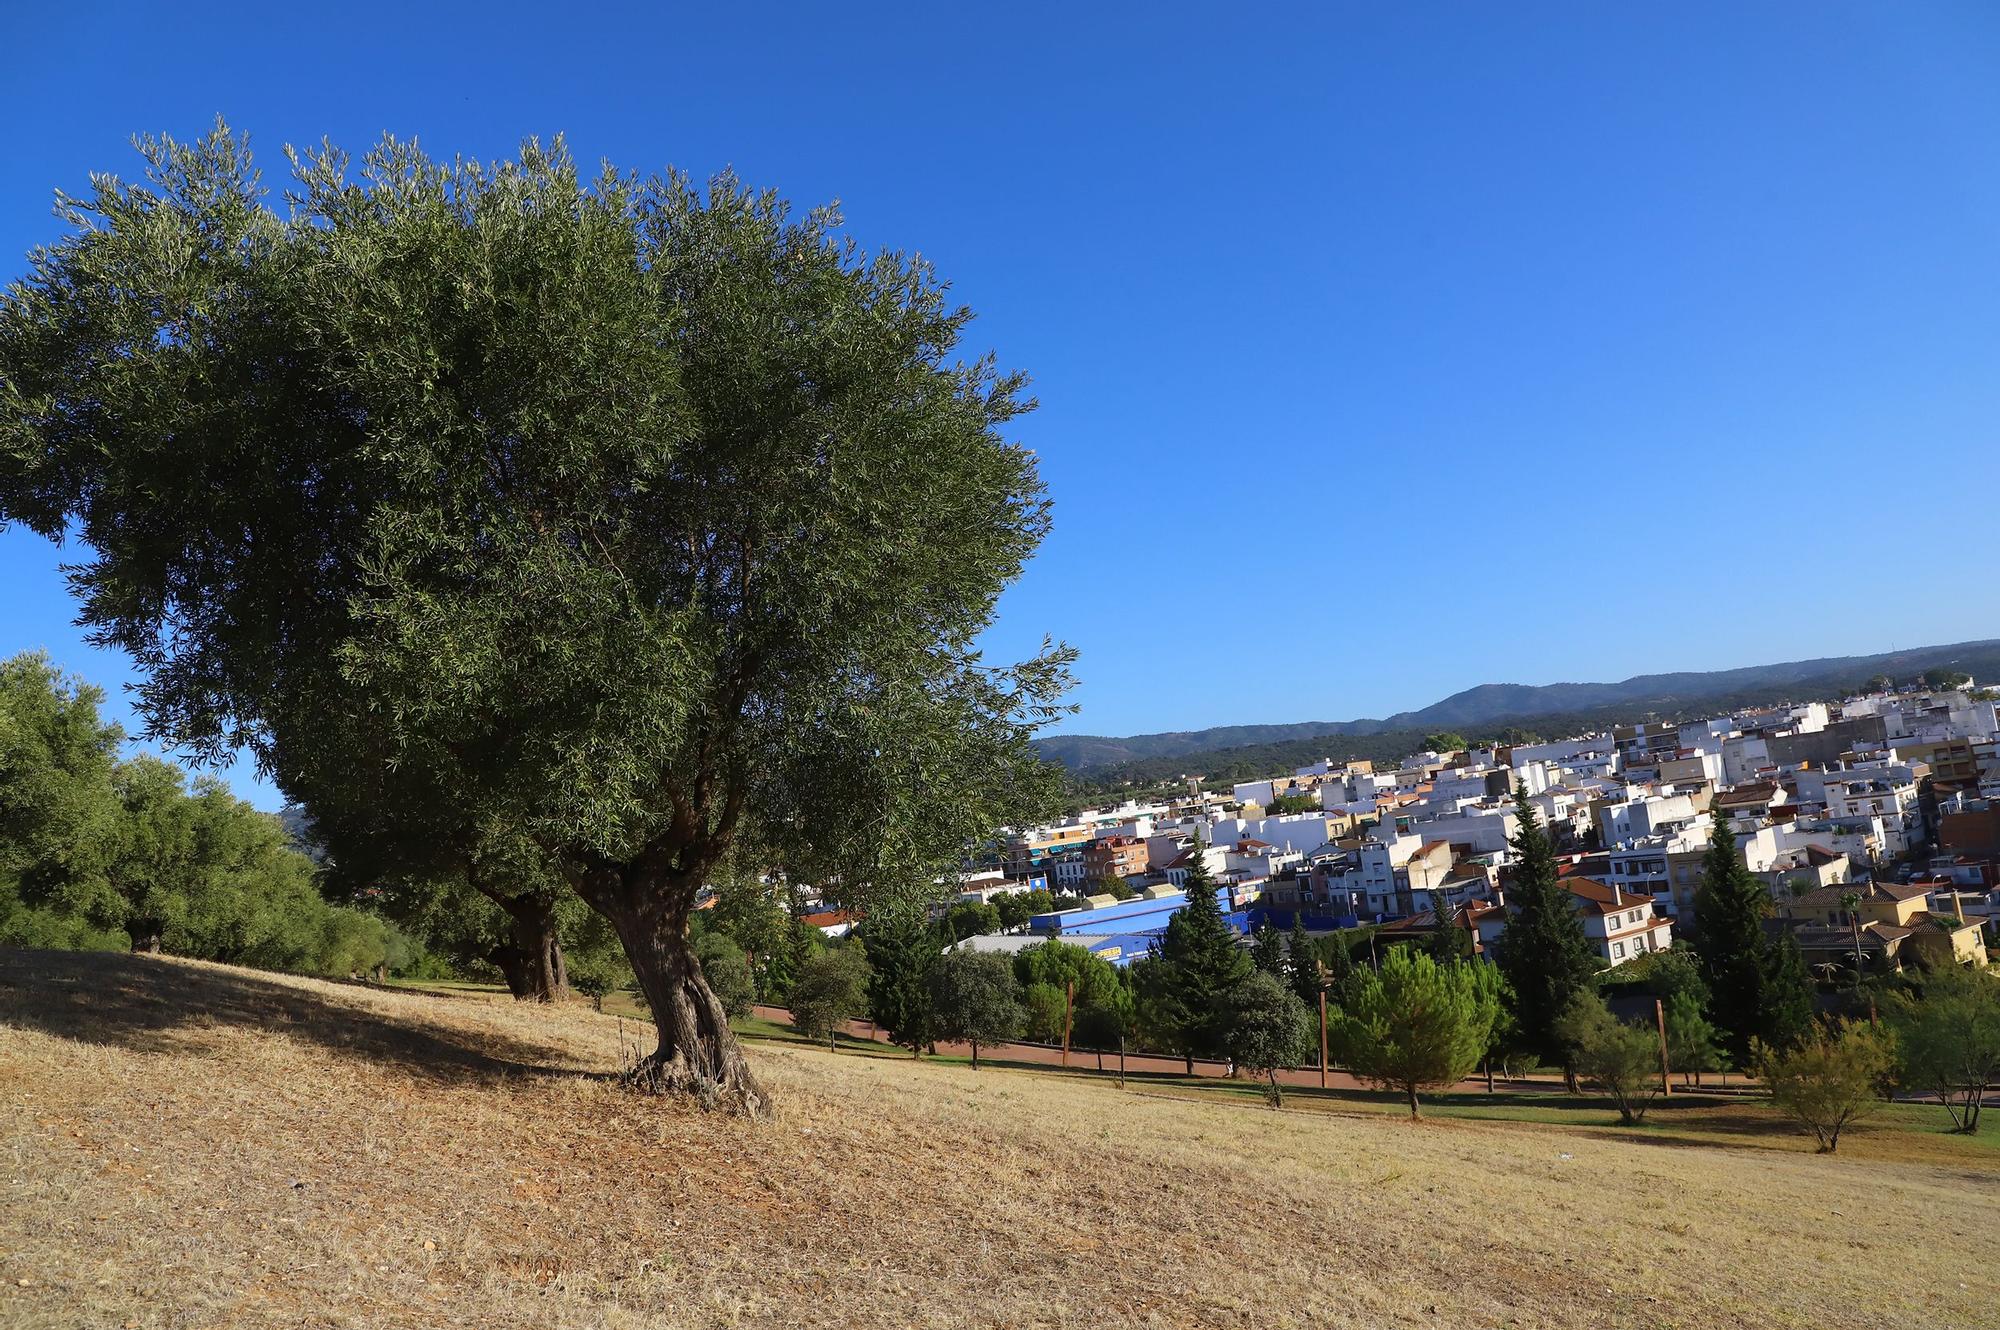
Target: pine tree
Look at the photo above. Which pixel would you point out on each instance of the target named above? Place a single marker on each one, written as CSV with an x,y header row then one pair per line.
x,y
1542,950
1729,910
902,953
1415,1024
1339,961
1201,965
1267,950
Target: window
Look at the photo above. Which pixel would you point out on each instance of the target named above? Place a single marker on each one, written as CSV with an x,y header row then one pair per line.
x,y
1618,951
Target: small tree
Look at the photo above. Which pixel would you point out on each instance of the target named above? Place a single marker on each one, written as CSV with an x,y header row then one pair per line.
x,y
1415,1025
1691,1046
974,998
964,919
1948,1041
1624,1059
1268,1029
1829,1079
1446,741
1116,887
1012,909
830,989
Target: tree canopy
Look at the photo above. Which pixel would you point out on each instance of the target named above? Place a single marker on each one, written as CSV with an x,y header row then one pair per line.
x,y
1415,1024
635,512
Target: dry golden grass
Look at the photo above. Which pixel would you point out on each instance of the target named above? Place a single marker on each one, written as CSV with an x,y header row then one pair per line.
x,y
189,1145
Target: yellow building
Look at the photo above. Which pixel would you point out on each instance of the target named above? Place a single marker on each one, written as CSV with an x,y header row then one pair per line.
x,y
1889,925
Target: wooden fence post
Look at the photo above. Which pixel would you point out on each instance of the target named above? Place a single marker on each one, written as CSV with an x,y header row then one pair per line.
x,y
1069,1009
1660,1016
1322,1039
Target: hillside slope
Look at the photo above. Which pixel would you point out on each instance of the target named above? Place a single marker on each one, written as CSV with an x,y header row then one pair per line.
x,y
193,1145
1489,706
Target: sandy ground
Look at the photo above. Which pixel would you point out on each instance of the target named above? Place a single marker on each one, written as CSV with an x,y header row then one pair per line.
x,y
189,1145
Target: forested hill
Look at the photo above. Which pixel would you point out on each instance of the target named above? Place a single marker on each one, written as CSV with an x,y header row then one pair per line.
x,y
1486,708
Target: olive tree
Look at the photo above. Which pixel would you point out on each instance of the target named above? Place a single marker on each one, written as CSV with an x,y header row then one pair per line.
x,y
635,512
1829,1079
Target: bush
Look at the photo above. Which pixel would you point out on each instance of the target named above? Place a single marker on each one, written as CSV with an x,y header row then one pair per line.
x,y
1623,1059
1830,1079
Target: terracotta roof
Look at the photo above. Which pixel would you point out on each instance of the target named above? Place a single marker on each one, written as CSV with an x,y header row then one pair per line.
x,y
1828,896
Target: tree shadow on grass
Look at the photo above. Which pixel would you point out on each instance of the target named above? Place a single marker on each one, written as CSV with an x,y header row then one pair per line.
x,y
145,1004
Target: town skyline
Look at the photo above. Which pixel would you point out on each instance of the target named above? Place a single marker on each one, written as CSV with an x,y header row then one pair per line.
x,y
1520,373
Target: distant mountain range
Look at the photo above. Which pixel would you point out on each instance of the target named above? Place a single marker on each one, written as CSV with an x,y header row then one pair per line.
x,y
1490,706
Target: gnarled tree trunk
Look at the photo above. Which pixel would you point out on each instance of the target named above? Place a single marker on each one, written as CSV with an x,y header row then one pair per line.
x,y
531,957
697,1054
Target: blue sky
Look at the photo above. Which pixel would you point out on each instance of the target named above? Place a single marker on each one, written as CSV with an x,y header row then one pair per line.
x,y
1382,350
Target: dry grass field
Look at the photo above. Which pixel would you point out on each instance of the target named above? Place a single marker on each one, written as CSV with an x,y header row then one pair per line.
x,y
189,1145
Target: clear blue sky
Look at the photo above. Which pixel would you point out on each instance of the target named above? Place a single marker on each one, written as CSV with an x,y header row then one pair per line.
x,y
1383,350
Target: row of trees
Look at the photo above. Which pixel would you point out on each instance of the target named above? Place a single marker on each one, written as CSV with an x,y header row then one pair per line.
x,y
1415,1023
102,851
1939,1036
1746,986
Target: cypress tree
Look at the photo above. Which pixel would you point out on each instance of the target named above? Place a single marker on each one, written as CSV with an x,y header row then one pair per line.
x,y
902,953
1339,960
1736,959
1267,951
1302,969
1786,1012
1202,965
1542,950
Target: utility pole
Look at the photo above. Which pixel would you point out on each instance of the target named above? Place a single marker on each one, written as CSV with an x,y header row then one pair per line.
x,y
1322,1039
1660,1016
1069,1009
